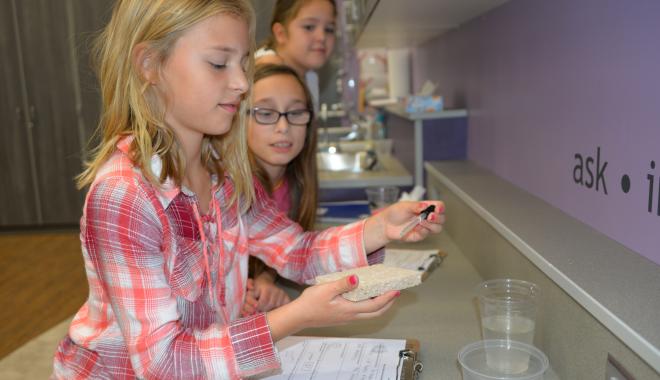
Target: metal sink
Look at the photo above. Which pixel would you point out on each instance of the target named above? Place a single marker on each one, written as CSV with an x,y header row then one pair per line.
x,y
354,162
381,146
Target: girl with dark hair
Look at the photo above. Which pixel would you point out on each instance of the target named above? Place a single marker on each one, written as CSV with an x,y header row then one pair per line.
x,y
282,142
303,37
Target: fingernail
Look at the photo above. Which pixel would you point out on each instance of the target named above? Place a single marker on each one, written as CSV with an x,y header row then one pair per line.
x,y
353,279
432,217
398,293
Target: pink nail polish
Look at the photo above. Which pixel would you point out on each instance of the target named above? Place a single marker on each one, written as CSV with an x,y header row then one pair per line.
x,y
353,279
398,293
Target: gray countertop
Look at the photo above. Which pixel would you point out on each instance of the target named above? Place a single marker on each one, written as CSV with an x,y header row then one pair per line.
x,y
392,174
440,313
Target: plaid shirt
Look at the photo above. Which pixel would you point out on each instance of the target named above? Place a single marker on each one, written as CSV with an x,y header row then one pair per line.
x,y
165,291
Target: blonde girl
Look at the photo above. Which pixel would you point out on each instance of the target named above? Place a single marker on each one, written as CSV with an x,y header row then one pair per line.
x,y
171,214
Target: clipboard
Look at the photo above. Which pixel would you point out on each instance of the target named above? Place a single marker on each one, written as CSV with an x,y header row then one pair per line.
x,y
436,261
409,362
425,260
314,357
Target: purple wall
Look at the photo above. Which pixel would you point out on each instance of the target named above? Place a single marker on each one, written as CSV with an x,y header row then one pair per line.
x,y
546,80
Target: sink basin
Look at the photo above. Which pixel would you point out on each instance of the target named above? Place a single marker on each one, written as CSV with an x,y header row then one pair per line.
x,y
333,134
355,162
381,146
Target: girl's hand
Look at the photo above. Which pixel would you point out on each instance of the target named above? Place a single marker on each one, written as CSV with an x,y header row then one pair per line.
x,y
268,294
326,306
389,224
323,305
400,214
250,304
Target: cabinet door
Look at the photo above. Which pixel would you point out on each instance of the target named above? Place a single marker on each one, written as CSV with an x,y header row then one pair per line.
x,y
88,19
55,100
18,202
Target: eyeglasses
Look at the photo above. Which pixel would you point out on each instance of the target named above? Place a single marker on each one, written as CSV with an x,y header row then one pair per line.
x,y
294,117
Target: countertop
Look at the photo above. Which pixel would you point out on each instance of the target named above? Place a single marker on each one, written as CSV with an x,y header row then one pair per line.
x,y
392,174
441,313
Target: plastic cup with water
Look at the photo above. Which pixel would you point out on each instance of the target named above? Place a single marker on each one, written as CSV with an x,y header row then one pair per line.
x,y
382,196
508,312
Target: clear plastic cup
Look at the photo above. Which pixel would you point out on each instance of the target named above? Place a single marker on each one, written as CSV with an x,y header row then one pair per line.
x,y
508,311
475,366
382,196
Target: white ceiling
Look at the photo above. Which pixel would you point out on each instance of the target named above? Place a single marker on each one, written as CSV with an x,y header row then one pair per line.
x,y
405,23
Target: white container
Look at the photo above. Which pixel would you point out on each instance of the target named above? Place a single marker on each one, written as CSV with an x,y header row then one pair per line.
x,y
515,361
398,72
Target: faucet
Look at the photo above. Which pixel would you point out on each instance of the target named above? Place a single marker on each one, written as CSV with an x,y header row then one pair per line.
x,y
330,148
354,134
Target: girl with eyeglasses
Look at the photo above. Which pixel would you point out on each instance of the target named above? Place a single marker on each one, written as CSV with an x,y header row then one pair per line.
x,y
282,142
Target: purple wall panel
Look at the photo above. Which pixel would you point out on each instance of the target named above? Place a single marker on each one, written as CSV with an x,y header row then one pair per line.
x,y
545,80
445,139
442,139
402,133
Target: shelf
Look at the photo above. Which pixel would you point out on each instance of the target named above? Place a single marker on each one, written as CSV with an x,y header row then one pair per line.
x,y
400,111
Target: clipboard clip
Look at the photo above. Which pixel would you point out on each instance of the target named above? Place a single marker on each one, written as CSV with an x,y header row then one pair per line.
x,y
409,367
433,261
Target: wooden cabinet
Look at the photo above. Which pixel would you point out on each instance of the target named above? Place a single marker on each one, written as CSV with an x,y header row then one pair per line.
x,y
49,107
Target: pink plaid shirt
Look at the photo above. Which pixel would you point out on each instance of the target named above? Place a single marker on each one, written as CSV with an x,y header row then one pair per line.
x,y
165,292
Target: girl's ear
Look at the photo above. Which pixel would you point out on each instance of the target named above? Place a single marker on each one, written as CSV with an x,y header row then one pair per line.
x,y
145,62
279,32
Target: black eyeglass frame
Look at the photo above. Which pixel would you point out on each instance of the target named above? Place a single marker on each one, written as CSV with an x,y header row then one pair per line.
x,y
254,112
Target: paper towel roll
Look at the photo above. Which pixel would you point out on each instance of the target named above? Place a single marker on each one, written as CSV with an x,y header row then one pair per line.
x,y
398,72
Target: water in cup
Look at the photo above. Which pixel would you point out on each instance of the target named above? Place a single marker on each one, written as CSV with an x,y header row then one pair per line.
x,y
509,328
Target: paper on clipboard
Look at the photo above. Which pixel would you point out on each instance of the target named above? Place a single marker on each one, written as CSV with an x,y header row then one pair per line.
x,y
338,358
413,259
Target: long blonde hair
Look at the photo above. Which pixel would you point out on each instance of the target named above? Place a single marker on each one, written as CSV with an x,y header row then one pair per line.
x,y
130,105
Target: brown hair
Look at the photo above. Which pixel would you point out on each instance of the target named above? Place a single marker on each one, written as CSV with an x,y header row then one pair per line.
x,y
129,103
301,173
285,11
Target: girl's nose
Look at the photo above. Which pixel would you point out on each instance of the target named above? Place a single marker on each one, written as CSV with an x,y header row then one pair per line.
x,y
282,125
239,82
320,34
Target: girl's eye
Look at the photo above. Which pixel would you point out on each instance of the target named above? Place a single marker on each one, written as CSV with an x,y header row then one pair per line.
x,y
265,113
218,66
309,28
330,30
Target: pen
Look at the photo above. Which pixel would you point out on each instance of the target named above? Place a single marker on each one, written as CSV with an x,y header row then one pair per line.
x,y
416,220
